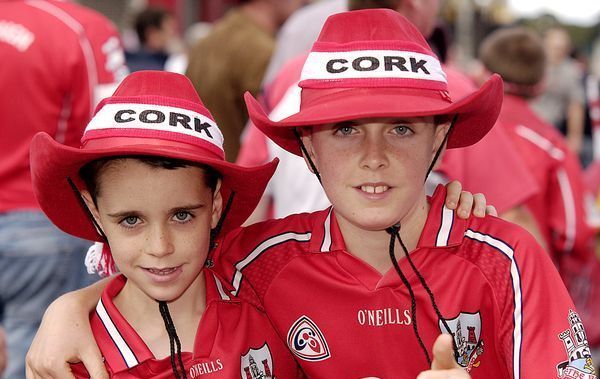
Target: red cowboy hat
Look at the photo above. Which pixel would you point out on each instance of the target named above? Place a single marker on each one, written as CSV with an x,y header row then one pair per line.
x,y
152,113
375,63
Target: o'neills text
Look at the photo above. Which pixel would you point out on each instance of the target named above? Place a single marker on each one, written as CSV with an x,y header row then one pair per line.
x,y
205,368
386,316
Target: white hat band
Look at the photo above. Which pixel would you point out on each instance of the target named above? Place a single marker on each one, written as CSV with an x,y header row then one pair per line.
x,y
156,117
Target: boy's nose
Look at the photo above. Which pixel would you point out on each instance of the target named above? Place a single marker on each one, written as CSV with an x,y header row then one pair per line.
x,y
374,153
159,242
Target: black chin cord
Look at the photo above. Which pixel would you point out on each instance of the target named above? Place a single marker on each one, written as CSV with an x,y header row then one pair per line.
x,y
394,232
173,341
305,152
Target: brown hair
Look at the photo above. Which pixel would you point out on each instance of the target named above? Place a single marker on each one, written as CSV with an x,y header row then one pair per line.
x,y
354,5
516,54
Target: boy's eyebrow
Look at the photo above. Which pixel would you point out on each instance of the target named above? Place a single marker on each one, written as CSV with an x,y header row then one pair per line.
x,y
136,212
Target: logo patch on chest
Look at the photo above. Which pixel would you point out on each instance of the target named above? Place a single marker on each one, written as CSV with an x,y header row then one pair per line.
x,y
257,363
466,328
306,341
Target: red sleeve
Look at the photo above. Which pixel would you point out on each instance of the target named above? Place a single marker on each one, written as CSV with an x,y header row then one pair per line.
x,y
493,167
540,328
254,150
572,235
108,51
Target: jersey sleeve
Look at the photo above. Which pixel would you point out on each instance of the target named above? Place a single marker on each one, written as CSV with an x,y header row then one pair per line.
x,y
540,330
109,56
503,179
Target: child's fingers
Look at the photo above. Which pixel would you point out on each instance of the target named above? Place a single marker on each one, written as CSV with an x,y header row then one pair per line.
x,y
453,190
479,205
490,210
93,362
465,205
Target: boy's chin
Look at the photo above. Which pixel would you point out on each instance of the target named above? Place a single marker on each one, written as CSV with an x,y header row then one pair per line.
x,y
166,295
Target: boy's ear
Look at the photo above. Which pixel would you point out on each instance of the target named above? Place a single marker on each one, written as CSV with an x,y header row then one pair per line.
x,y
440,133
87,197
306,137
217,207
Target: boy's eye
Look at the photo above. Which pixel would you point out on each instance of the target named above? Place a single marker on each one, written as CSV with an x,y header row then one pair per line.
x,y
345,130
402,130
130,221
183,216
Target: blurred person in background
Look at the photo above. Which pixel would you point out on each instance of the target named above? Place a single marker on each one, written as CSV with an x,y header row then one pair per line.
x,y
562,102
58,58
517,54
232,59
504,179
155,29
178,62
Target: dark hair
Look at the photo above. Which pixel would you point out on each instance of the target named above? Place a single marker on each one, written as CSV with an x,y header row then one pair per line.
x,y
516,54
149,18
91,171
355,5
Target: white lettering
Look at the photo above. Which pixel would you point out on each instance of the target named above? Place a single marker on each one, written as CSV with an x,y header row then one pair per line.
x,y
385,316
16,35
206,368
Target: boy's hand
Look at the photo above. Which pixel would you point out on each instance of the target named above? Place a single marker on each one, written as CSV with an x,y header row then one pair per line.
x,y
65,336
444,366
465,202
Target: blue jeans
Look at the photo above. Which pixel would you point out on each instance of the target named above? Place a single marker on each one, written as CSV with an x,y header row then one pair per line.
x,y
38,263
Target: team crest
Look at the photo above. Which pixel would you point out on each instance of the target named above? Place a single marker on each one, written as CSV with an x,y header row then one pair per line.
x,y
257,364
466,328
306,340
579,364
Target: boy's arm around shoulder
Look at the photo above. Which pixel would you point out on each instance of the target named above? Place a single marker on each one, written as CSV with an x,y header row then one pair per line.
x,y
65,335
538,319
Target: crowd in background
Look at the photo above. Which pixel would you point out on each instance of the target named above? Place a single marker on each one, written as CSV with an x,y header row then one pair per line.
x,y
259,46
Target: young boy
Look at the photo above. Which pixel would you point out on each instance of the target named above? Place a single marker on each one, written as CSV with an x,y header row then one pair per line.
x,y
340,285
151,182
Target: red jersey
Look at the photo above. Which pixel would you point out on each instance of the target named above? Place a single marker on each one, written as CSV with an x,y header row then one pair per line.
x,y
55,54
497,290
559,206
503,178
233,340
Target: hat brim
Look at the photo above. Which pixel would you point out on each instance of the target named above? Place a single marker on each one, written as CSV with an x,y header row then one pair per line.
x,y
52,163
477,112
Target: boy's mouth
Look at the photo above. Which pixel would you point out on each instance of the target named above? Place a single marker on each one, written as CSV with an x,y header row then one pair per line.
x,y
374,189
162,271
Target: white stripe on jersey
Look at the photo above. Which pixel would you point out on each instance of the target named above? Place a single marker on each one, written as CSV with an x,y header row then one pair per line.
x,y
541,142
443,235
112,330
326,245
224,295
261,248
84,43
516,281
569,206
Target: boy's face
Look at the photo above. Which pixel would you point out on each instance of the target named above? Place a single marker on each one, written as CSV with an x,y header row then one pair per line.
x,y
373,170
158,224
